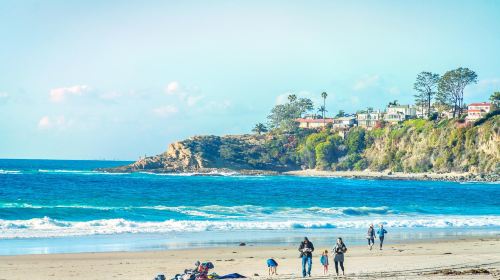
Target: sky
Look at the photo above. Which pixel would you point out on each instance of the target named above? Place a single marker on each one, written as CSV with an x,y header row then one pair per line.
x,y
122,79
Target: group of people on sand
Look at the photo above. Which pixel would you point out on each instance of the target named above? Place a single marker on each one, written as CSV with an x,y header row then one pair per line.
x,y
306,248
371,236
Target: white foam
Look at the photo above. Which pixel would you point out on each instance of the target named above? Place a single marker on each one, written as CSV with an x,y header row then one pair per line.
x,y
3,171
239,211
47,227
80,172
188,174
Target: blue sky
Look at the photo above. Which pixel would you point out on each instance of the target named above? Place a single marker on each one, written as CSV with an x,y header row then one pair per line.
x,y
120,79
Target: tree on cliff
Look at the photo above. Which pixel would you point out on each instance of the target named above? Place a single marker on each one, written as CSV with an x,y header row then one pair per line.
x,y
324,95
259,128
340,114
284,115
393,103
495,99
426,87
451,88
322,110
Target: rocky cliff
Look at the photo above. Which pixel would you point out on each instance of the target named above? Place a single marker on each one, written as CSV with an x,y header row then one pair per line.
x,y
209,154
420,146
415,146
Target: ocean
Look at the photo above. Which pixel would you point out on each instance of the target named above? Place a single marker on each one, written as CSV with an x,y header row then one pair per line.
x,y
61,206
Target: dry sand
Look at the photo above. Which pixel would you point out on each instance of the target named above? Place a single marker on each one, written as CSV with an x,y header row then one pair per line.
x,y
451,259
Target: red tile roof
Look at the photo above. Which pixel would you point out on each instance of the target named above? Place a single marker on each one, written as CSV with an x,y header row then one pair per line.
x,y
480,104
315,120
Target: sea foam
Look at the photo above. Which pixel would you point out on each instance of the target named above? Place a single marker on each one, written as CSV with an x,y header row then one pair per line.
x,y
47,227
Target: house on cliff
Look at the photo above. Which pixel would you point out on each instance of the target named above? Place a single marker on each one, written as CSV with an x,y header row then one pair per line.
x,y
313,123
476,111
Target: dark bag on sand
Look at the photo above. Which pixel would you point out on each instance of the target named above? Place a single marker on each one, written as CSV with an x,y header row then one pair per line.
x,y
160,277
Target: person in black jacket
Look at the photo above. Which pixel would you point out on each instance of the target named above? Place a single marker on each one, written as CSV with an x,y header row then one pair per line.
x,y
306,248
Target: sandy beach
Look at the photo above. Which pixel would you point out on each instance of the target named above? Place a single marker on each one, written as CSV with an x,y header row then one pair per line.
x,y
472,258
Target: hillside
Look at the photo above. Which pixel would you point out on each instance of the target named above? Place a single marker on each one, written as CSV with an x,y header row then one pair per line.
x,y
206,154
414,146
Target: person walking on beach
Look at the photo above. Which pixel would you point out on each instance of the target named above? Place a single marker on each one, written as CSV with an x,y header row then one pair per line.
x,y
371,236
381,234
306,248
324,262
338,251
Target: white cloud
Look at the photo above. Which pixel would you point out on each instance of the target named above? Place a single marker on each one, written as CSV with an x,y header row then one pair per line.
x,y
60,94
44,122
59,122
366,82
173,87
188,95
165,111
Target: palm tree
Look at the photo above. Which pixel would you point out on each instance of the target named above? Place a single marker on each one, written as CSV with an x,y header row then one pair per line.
x,y
322,110
259,128
324,95
292,98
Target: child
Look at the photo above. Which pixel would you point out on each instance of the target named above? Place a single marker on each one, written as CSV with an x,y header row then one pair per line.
x,y
324,262
272,265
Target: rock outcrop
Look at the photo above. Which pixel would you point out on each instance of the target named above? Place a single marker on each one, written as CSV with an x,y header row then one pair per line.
x,y
415,146
426,147
210,154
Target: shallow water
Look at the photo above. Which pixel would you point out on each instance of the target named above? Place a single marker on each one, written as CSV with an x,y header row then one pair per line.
x,y
54,202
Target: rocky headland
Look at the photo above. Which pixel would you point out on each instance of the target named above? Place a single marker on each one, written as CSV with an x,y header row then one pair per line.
x,y
416,150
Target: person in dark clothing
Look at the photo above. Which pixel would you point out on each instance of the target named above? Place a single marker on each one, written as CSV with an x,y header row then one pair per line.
x,y
306,248
370,235
338,252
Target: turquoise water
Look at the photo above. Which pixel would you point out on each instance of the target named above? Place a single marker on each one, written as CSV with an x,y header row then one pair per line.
x,y
45,205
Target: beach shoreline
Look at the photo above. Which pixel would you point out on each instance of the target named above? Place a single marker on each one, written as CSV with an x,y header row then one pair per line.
x,y
387,175
454,258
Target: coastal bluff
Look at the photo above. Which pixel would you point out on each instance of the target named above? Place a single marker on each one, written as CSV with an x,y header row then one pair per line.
x,y
412,147
211,155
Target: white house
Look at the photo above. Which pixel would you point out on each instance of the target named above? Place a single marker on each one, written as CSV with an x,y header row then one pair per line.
x,y
312,123
475,111
399,113
344,122
370,119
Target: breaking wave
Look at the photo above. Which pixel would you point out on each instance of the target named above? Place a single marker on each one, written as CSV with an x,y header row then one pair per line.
x,y
3,171
227,212
47,227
